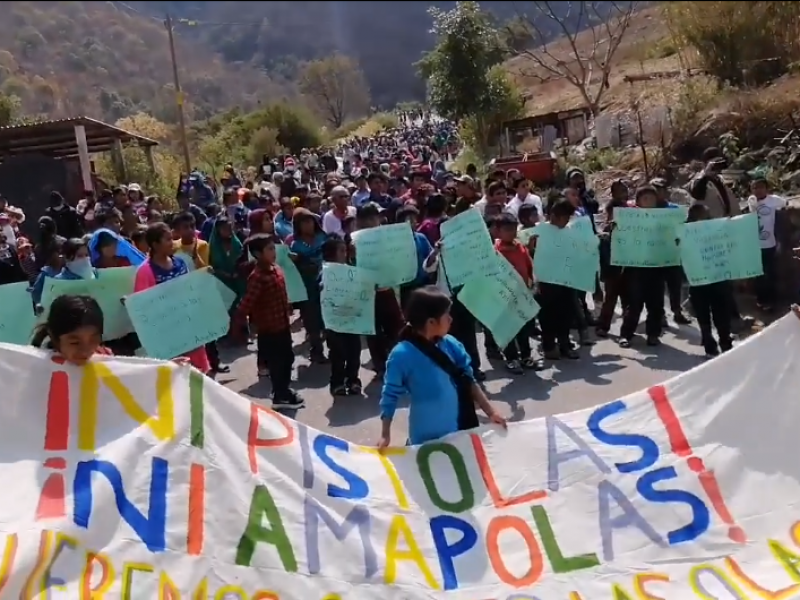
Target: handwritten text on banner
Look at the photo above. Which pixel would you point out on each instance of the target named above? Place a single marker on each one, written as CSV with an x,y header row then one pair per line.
x,y
138,479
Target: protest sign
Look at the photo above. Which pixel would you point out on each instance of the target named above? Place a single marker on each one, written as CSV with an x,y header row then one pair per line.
x,y
645,237
190,308
389,253
467,248
17,318
348,299
720,250
134,479
295,288
568,256
501,302
108,288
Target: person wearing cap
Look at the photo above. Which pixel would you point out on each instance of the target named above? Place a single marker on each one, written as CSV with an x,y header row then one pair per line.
x,y
709,188
340,201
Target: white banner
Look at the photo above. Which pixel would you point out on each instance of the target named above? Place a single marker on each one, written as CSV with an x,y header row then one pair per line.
x,y
140,480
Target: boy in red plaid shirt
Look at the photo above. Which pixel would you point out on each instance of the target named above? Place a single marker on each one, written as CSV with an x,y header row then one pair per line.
x,y
266,303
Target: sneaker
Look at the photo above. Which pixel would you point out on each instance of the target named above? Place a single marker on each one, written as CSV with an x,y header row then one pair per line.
x,y
681,319
221,369
354,389
293,400
532,364
479,375
712,351
338,390
624,342
601,333
653,340
514,367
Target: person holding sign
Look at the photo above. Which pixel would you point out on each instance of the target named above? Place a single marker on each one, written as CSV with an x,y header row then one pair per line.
x,y
518,353
266,304
645,288
344,349
161,266
711,301
558,302
433,369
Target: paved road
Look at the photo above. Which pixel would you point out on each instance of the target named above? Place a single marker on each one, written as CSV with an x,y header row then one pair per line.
x,y
604,372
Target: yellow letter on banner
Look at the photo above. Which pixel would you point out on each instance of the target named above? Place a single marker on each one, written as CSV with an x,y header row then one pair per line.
x,y
162,424
393,555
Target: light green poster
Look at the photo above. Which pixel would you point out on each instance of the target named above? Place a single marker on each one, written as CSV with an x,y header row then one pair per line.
x,y
108,288
348,299
645,237
179,316
467,248
568,256
295,288
17,318
502,302
720,250
388,252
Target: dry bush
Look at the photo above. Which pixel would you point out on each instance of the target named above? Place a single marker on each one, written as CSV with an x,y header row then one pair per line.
x,y
738,42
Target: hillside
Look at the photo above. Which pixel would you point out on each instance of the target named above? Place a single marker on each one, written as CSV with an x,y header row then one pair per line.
x,y
69,58
111,59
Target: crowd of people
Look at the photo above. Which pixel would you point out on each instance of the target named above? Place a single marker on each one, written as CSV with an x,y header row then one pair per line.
x,y
426,343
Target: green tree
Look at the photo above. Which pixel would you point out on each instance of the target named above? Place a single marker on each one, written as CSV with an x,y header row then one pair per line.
x,y
507,104
336,88
457,69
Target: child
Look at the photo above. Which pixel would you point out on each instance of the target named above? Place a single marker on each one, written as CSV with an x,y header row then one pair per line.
x,y
77,262
518,352
528,216
53,263
766,206
188,244
557,301
612,276
108,249
27,260
74,328
438,403
388,317
344,349
711,302
161,266
645,287
266,304
306,244
139,240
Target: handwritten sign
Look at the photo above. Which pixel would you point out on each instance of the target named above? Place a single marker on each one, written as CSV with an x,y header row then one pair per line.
x,y
348,299
179,315
646,237
503,303
568,256
389,253
295,288
467,248
17,318
160,473
108,288
720,250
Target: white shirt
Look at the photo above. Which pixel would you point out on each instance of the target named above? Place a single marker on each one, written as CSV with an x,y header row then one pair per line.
x,y
516,202
766,209
332,224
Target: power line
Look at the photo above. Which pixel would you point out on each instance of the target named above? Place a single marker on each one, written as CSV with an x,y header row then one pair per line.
x,y
181,21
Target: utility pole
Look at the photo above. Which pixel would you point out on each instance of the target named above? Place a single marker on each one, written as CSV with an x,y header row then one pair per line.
x,y
179,96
